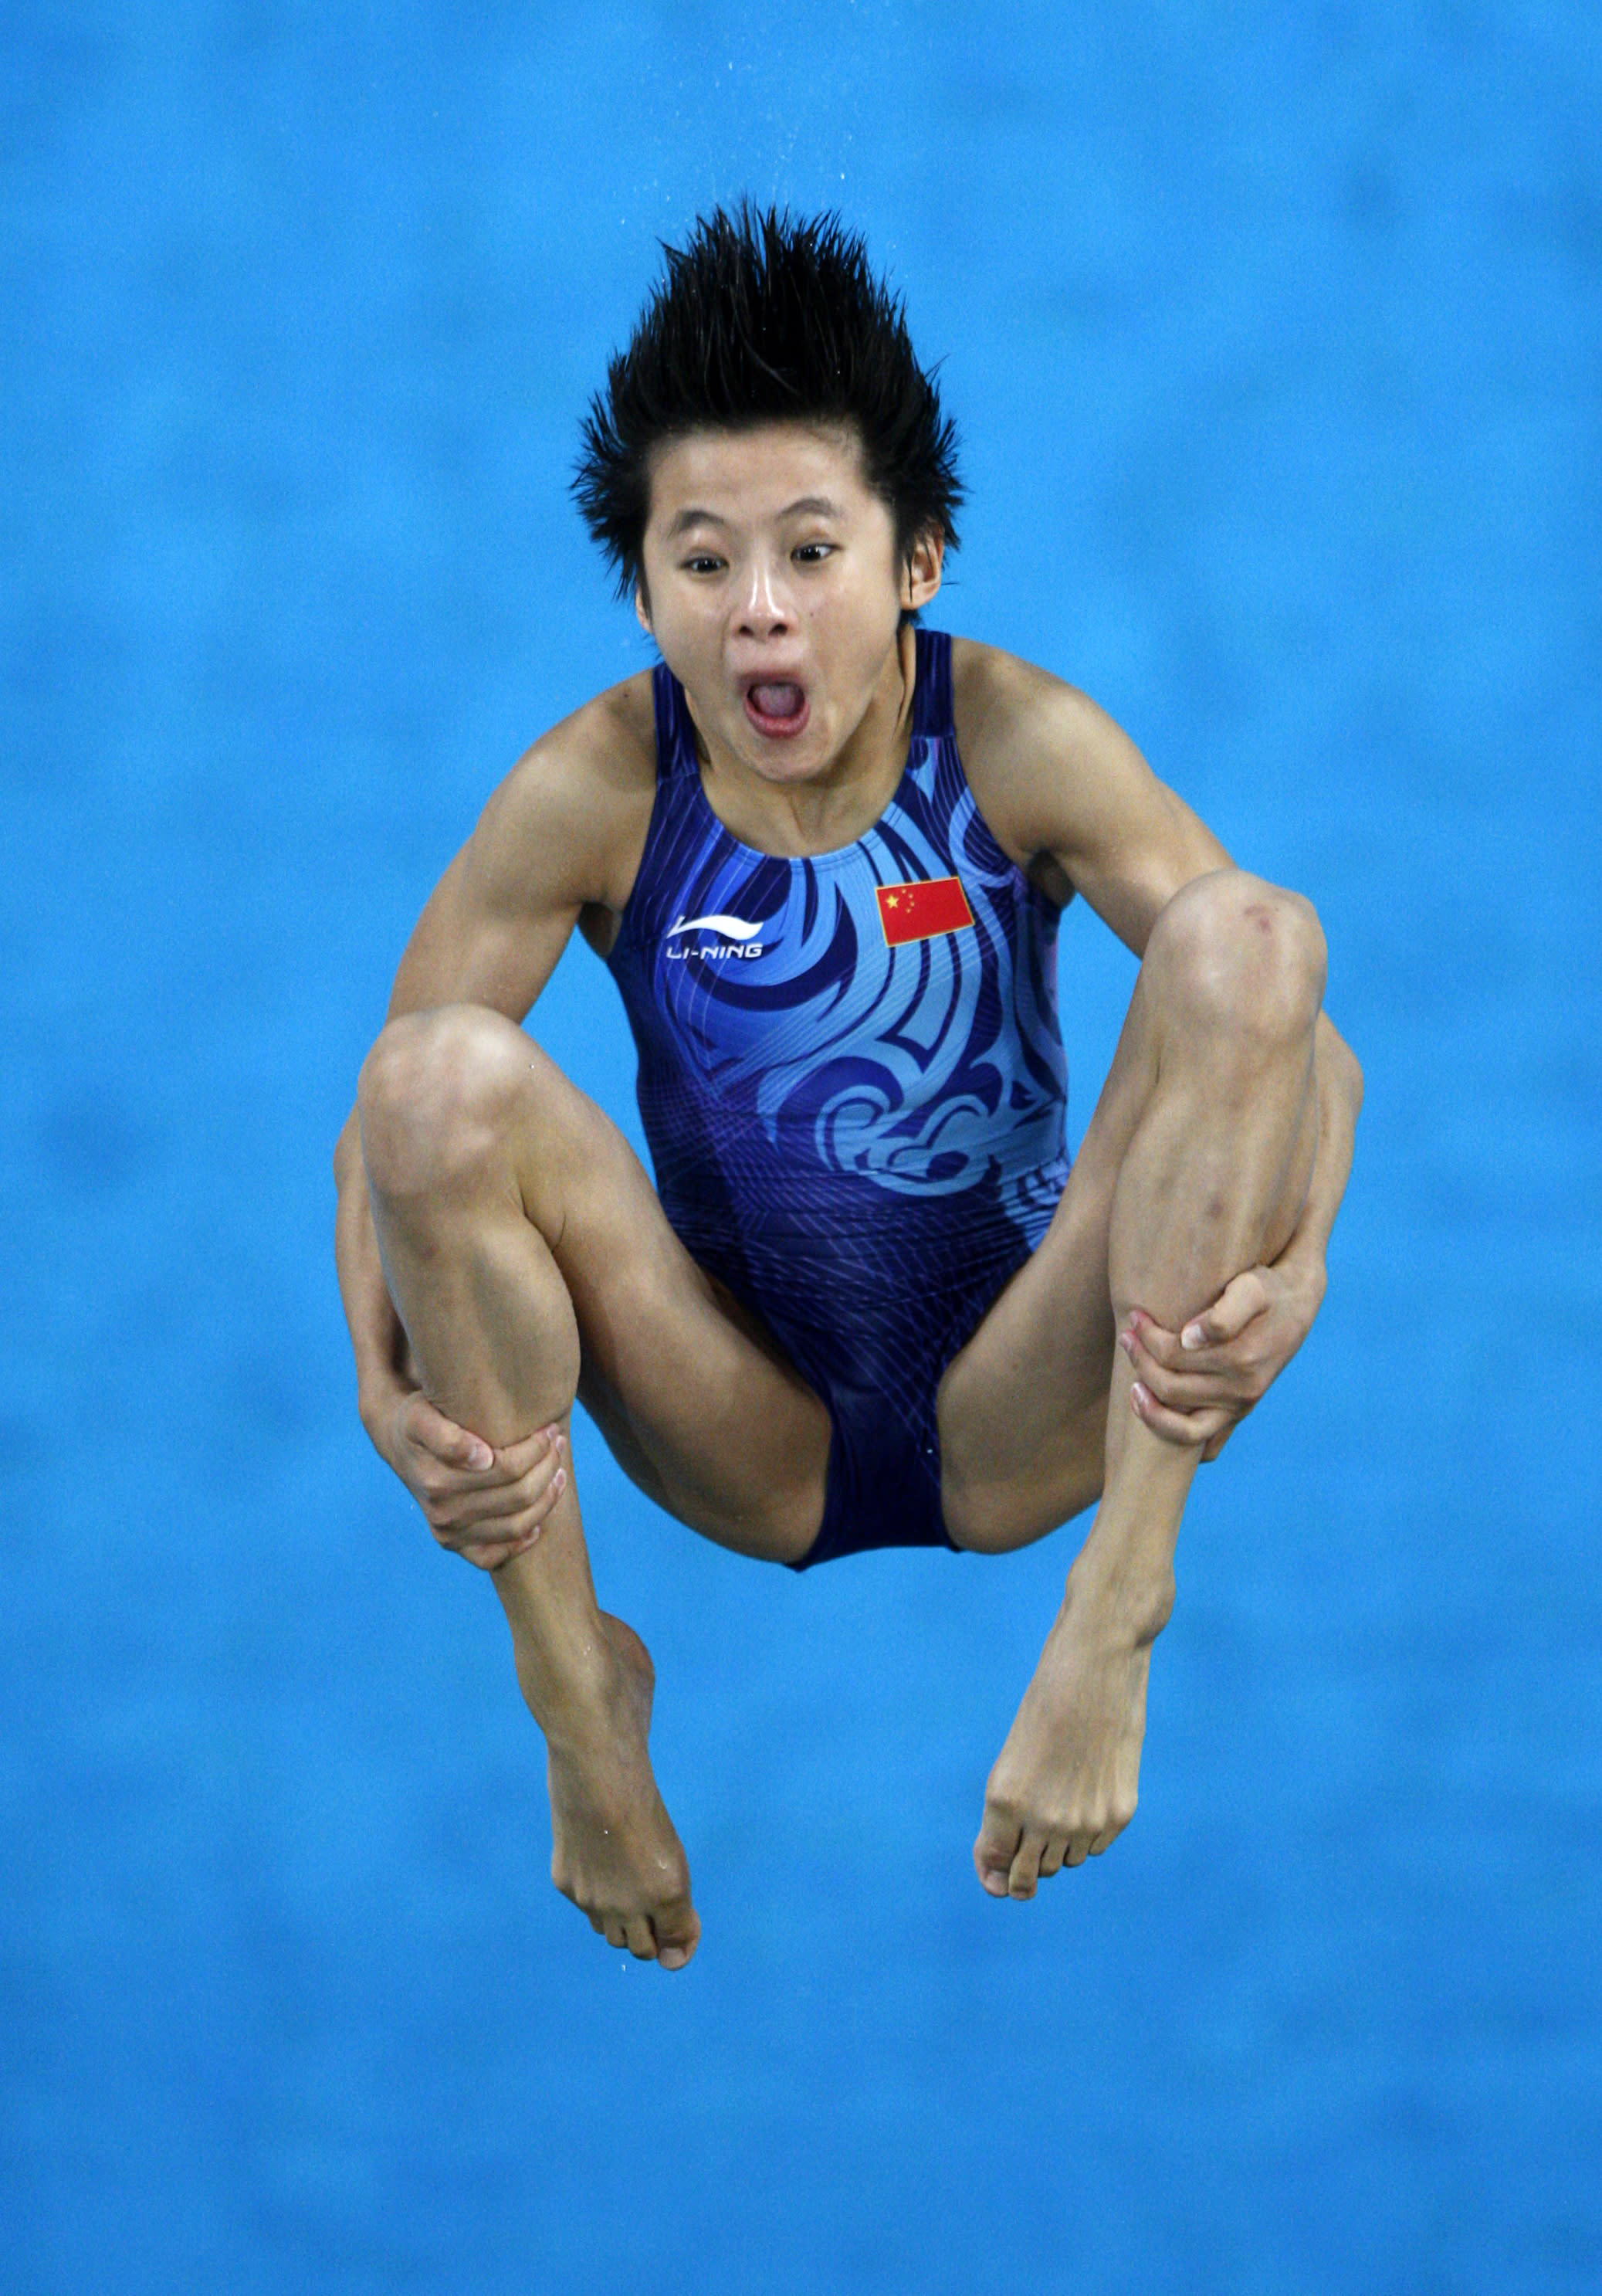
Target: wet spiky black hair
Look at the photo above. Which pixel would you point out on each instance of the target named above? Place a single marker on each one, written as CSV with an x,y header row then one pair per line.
x,y
764,318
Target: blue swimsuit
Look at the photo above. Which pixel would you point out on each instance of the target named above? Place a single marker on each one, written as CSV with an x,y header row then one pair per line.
x,y
853,1088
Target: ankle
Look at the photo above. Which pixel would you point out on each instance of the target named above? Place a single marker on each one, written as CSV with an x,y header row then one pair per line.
x,y
1128,1603
574,1692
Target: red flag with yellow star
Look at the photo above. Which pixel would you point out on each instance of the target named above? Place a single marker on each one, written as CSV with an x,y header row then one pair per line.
x,y
918,912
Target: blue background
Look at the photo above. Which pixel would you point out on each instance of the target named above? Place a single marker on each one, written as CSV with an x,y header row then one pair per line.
x,y
1273,334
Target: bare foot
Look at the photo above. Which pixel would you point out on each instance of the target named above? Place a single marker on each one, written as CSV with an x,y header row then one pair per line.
x,y
1064,1786
616,1853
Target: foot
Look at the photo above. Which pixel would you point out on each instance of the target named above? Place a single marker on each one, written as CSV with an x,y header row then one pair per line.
x,y
1064,1786
615,1852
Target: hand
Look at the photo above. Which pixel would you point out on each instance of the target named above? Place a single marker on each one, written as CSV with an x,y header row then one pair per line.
x,y
1195,1387
483,1503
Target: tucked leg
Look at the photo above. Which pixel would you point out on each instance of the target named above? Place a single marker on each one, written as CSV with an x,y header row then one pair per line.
x,y
520,1236
1194,1168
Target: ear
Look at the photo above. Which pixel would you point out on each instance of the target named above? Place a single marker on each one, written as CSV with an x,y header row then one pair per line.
x,y
920,575
642,606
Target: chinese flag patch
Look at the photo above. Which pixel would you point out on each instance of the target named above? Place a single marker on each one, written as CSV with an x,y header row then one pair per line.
x,y
919,912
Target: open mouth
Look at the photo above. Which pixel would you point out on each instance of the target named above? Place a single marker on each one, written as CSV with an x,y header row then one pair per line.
x,y
777,707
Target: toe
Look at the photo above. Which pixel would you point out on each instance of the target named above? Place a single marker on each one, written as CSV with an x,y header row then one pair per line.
x,y
1051,1857
678,1932
638,1939
1025,1867
616,1930
996,1849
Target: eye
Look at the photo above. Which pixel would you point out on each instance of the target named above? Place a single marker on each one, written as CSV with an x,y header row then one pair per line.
x,y
702,563
812,554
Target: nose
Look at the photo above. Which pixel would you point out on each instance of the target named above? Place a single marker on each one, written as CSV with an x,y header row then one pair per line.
x,y
766,610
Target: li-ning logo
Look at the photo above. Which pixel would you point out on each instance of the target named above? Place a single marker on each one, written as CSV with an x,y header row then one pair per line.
x,y
734,938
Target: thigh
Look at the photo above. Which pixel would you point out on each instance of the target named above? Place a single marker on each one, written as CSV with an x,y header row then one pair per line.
x,y
696,1400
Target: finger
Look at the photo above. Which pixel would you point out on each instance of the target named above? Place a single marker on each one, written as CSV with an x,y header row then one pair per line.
x,y
540,1504
508,1468
513,1460
1159,1344
1180,1390
492,1546
462,1510
1025,1867
517,1536
430,1430
1211,1450
1190,1430
678,1931
519,1531
1148,1344
1051,1857
1241,1300
489,1554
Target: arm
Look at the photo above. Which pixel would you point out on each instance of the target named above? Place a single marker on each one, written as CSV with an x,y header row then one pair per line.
x,y
558,841
1071,797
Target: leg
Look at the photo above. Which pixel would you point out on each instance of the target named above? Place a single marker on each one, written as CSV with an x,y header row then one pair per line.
x,y
513,1218
1195,1167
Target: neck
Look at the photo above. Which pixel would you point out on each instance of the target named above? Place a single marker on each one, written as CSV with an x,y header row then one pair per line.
x,y
831,808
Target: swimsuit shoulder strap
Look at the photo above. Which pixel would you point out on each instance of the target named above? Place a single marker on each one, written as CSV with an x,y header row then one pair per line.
x,y
932,719
675,744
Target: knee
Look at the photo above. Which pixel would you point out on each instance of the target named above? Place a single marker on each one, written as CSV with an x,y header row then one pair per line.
x,y
436,1093
1231,953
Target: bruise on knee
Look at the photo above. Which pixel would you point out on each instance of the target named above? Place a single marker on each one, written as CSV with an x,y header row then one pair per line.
x,y
1231,956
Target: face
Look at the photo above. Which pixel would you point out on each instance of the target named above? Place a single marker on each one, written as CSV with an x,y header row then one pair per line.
x,y
776,593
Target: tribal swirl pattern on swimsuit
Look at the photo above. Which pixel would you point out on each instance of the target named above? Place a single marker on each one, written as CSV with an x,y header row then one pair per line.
x,y
854,1088
928,1066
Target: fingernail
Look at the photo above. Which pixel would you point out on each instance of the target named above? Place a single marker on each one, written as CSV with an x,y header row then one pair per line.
x,y
1193,1336
1139,1396
481,1456
559,1481
1126,1341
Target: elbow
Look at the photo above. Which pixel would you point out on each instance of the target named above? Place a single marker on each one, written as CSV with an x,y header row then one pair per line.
x,y
1351,1072
348,1151
1340,1072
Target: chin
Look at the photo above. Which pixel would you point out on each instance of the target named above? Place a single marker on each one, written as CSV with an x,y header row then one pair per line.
x,y
789,765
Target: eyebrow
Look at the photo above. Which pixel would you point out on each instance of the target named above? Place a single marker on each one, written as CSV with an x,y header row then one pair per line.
x,y
813,505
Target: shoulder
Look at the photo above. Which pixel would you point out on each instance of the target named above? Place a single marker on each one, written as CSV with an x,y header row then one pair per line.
x,y
574,810
1036,751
